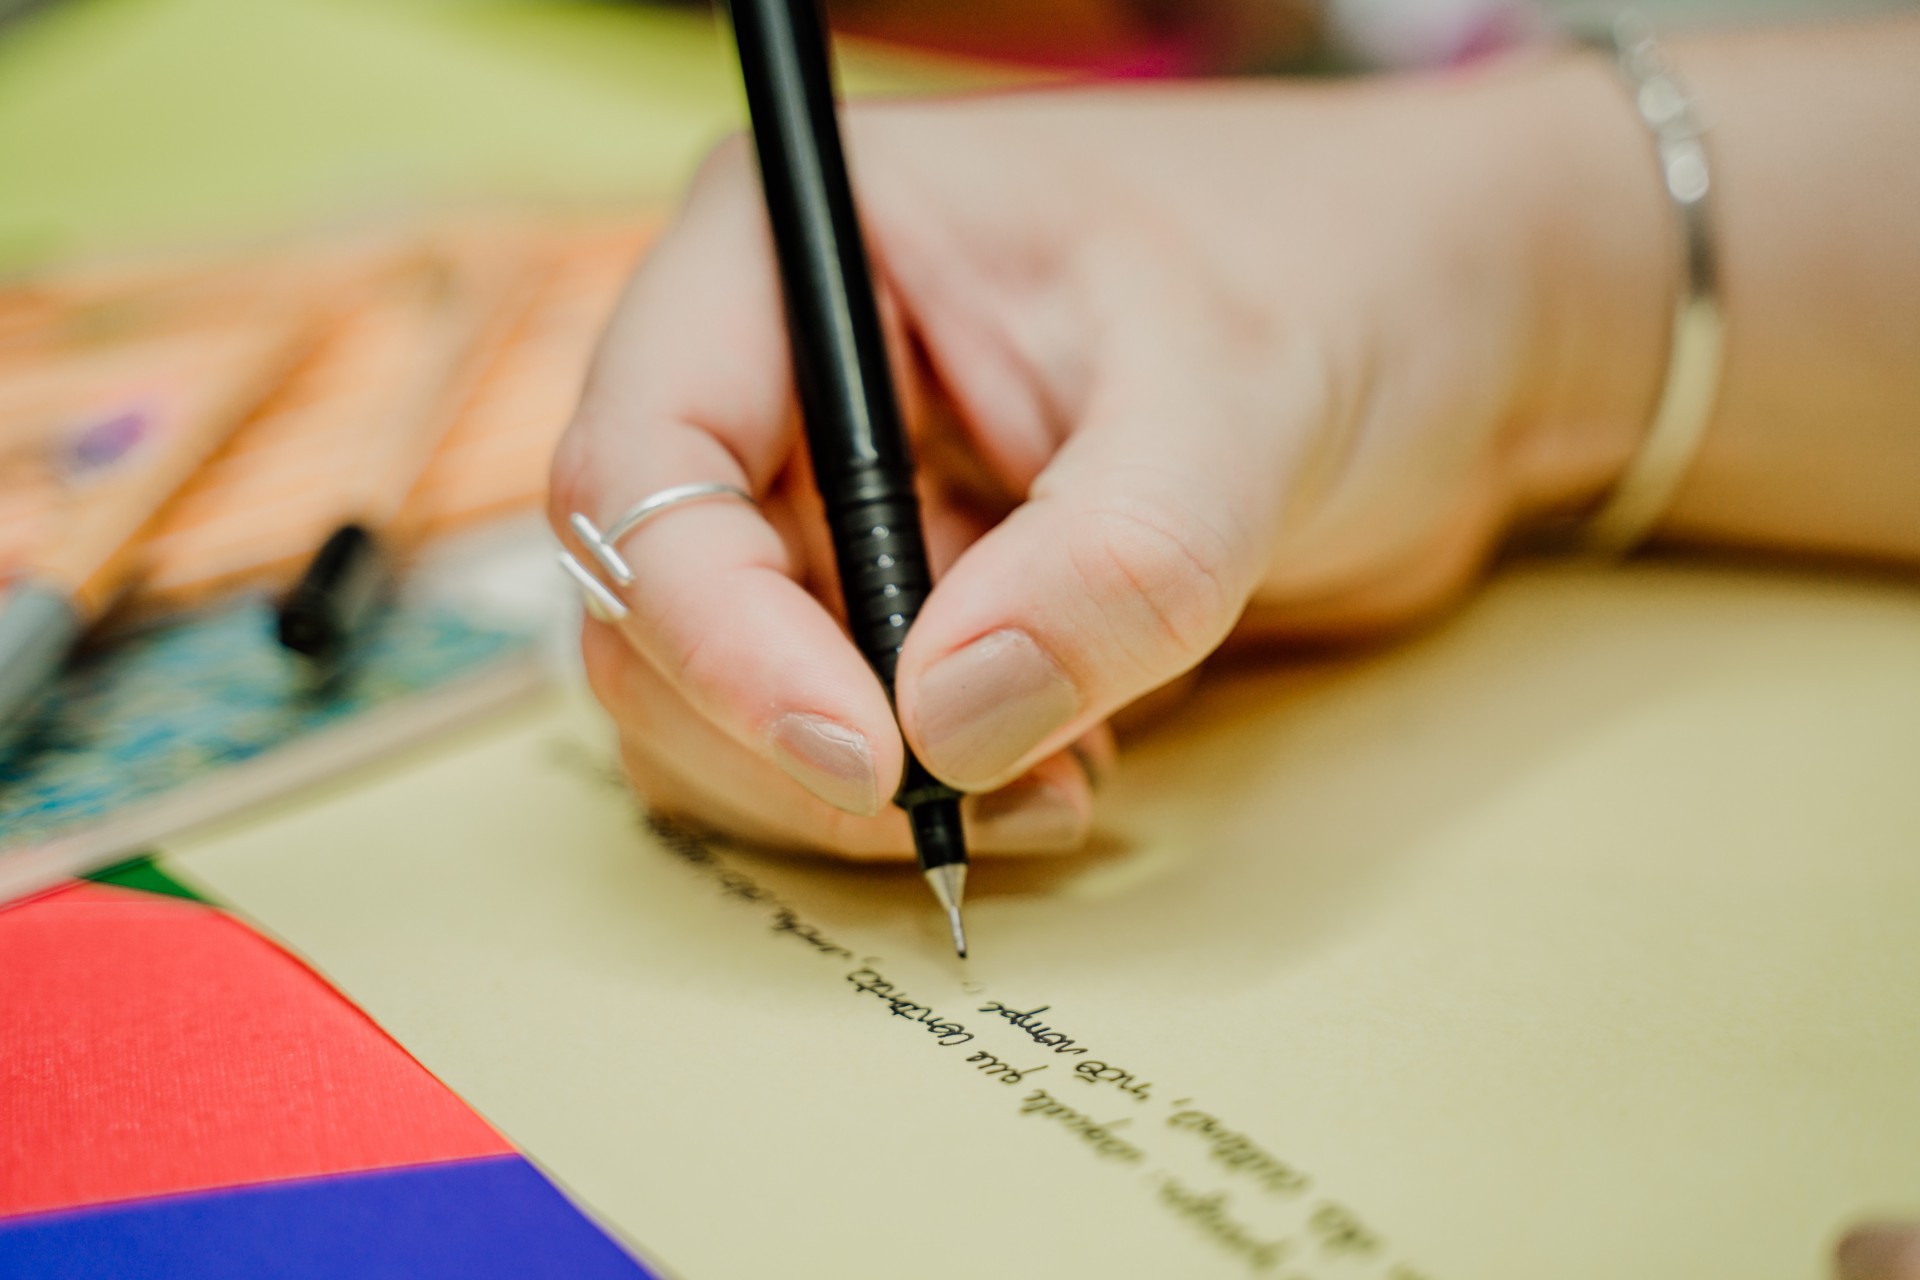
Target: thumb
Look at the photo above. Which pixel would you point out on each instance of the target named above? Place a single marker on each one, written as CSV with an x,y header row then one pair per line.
x,y
1113,579
1141,541
1879,1251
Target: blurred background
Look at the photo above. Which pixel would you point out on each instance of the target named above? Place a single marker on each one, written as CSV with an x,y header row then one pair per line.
x,y
152,120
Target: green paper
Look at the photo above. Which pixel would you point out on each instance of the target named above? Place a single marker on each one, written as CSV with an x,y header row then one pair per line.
x,y
144,874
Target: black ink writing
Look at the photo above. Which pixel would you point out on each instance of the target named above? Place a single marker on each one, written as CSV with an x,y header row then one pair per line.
x,y
785,921
682,842
1341,1232
1209,1213
1331,1231
694,850
1058,1041
1004,1072
1096,1135
1239,1153
570,755
945,1032
1094,1072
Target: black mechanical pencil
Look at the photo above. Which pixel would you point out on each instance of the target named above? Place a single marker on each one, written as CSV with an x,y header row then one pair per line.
x,y
853,426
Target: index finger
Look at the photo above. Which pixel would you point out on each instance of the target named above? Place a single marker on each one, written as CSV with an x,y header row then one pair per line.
x,y
692,384
697,341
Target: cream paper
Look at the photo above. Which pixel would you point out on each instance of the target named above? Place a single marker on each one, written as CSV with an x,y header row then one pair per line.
x,y
1575,940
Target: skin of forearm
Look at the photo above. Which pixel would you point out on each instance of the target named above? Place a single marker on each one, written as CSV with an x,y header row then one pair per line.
x,y
1814,147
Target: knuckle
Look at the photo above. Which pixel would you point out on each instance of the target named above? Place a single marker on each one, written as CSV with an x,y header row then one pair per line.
x,y
1159,573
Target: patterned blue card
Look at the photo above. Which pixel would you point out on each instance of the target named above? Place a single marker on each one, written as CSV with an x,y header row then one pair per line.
x,y
175,703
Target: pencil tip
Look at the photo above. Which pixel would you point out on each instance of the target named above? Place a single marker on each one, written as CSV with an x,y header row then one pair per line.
x,y
949,883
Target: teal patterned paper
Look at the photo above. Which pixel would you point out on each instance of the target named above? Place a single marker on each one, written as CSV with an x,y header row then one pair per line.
x,y
175,703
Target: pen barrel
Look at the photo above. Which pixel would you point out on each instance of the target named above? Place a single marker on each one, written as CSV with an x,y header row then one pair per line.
x,y
855,438
847,399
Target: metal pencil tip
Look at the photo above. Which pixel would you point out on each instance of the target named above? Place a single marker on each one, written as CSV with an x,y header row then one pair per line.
x,y
949,884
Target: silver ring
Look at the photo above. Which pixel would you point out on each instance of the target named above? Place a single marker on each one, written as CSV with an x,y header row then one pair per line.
x,y
601,602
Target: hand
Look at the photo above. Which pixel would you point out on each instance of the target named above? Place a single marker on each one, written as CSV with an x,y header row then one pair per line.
x,y
1171,357
1879,1251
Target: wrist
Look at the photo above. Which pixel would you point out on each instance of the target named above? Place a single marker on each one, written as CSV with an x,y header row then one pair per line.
x,y
1602,249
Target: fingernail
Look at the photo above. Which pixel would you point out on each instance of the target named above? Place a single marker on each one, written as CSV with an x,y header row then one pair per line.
x,y
828,759
1036,818
1879,1251
981,709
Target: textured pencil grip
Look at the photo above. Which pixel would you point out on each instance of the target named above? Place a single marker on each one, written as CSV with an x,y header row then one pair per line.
x,y
883,576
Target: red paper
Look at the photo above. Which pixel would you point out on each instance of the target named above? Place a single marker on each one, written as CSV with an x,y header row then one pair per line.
x,y
152,1045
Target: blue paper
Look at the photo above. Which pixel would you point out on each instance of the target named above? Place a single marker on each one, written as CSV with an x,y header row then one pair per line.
x,y
496,1216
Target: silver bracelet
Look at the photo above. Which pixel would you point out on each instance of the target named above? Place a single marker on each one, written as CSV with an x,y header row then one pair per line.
x,y
1646,487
